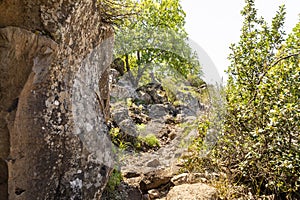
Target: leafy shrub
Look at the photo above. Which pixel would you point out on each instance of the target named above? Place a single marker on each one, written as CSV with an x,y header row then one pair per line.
x,y
151,140
114,180
119,140
259,146
114,132
260,143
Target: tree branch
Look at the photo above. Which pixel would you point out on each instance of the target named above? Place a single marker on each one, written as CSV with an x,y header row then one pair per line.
x,y
275,63
265,72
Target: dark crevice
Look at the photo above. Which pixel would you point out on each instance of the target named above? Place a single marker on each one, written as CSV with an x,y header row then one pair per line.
x,y
57,190
14,105
19,191
3,179
103,170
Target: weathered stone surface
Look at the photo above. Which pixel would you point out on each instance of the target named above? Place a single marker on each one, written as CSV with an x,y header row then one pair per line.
x,y
180,179
190,178
18,51
158,112
155,179
60,49
153,163
120,114
128,127
152,93
197,191
122,192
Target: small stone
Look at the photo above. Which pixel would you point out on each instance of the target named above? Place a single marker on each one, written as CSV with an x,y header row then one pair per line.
x,y
203,180
71,42
180,179
154,193
172,136
153,163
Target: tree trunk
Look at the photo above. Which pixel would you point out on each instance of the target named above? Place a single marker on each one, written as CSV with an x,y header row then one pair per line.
x,y
55,56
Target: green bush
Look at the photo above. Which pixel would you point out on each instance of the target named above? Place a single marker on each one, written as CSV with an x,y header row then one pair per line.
x,y
258,150
114,180
151,140
260,145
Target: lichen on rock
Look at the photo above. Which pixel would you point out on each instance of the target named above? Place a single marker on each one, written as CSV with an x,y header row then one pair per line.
x,y
46,47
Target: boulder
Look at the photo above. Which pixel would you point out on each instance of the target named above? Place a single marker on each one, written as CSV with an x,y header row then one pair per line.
x,y
152,93
128,127
120,114
197,191
157,112
155,179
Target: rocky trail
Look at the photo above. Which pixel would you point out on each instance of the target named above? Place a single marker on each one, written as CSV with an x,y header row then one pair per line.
x,y
153,171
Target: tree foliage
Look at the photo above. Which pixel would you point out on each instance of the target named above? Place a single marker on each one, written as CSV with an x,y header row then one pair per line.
x,y
260,144
155,36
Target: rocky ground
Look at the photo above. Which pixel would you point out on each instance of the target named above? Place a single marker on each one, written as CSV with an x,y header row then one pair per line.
x,y
152,171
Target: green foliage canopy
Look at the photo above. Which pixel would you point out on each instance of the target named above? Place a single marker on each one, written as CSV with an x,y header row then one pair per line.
x,y
155,36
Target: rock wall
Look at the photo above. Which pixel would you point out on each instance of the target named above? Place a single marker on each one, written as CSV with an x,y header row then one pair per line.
x,y
49,52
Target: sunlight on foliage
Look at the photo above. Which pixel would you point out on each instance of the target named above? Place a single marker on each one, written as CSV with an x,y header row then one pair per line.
x,y
259,146
151,140
260,143
155,37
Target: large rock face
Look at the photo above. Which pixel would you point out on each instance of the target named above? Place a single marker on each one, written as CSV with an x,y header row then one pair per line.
x,y
53,99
